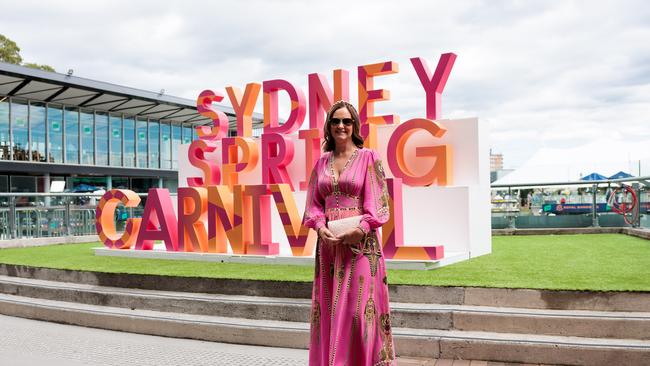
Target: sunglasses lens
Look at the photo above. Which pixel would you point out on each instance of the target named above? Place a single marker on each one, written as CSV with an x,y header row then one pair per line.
x,y
345,121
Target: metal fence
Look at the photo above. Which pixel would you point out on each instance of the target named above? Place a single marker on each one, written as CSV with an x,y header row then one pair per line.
x,y
602,203
530,205
38,215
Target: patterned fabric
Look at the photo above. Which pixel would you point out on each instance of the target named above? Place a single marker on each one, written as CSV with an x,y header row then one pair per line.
x,y
350,322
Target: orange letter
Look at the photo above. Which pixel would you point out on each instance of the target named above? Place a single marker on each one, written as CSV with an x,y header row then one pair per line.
x,y
368,96
105,224
441,170
243,106
192,213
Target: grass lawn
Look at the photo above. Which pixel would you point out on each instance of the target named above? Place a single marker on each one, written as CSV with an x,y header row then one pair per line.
x,y
570,262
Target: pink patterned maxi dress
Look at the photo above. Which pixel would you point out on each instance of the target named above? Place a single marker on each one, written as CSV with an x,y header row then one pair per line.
x,y
350,317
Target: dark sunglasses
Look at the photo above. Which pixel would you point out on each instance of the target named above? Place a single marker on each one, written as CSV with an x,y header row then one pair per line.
x,y
345,121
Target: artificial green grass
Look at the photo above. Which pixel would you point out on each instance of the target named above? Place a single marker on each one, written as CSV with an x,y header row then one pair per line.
x,y
596,262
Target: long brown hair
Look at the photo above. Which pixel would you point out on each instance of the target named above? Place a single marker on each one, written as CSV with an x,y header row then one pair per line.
x,y
328,139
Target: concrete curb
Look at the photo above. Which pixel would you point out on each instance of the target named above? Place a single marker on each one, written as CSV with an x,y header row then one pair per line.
x,y
55,240
497,297
641,233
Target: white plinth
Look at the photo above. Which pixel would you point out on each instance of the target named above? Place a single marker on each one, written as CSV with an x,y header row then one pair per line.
x,y
159,253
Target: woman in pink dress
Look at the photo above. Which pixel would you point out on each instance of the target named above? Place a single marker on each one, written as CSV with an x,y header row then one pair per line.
x,y
350,317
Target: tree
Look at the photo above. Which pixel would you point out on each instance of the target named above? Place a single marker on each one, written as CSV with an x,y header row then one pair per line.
x,y
40,67
10,53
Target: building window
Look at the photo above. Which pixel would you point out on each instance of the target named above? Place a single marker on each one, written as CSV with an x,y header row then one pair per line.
x,y
176,141
154,144
71,136
87,134
129,142
141,142
55,138
116,140
37,129
101,138
166,145
5,146
187,135
19,114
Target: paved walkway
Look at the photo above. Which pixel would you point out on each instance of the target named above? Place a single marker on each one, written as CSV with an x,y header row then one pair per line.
x,y
26,342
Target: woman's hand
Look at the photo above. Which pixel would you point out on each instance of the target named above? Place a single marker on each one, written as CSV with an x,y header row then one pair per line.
x,y
352,236
327,237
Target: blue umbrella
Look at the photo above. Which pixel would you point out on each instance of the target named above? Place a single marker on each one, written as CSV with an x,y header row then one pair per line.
x,y
620,175
594,176
81,188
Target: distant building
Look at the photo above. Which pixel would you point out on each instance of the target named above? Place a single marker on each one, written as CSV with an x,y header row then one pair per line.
x,y
57,127
496,162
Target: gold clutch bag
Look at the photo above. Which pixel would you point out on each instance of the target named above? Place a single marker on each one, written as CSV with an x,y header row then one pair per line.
x,y
338,227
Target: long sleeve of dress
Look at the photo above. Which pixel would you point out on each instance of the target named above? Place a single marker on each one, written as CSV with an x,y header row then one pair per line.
x,y
375,195
314,216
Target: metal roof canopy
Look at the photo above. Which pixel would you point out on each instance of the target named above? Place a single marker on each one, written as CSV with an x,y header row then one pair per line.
x,y
23,82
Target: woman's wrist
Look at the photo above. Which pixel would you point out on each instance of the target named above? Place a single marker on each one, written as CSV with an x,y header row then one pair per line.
x,y
362,230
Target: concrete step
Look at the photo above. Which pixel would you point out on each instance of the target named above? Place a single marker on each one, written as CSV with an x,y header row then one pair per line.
x,y
451,344
592,324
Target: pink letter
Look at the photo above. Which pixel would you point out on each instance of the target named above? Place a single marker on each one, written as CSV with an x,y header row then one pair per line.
x,y
231,162
393,231
320,95
211,171
262,239
277,153
312,139
433,86
219,119
298,109
158,211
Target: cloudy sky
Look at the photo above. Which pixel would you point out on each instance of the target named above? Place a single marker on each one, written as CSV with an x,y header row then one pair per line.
x,y
541,73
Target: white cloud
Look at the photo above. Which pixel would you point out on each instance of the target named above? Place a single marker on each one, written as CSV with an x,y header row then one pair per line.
x,y
543,74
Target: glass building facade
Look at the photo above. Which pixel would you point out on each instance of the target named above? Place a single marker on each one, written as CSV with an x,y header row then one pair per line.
x,y
34,131
57,127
